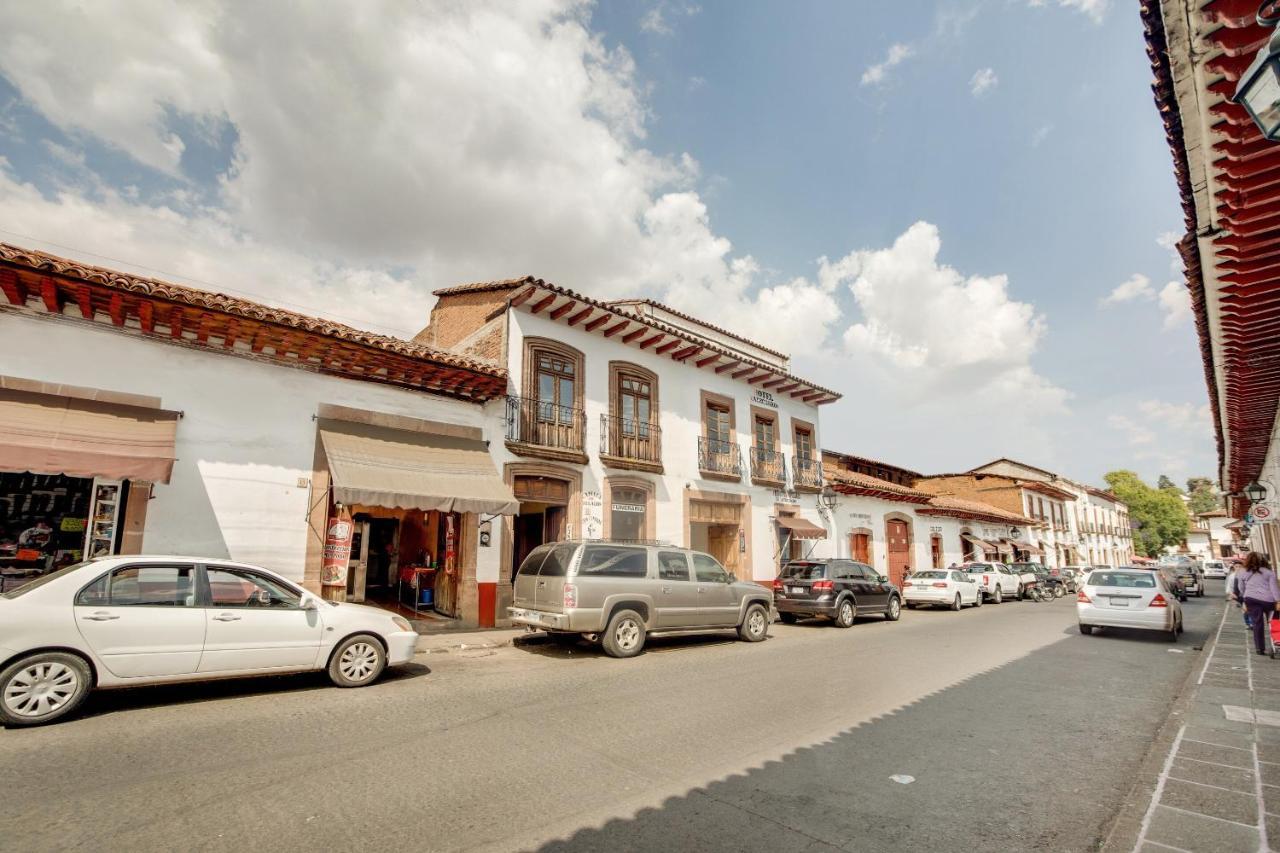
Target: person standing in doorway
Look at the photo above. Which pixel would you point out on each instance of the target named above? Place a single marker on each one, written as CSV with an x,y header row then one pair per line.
x,y
1261,592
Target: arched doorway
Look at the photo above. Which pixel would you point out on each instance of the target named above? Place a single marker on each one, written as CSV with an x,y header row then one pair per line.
x,y
898,544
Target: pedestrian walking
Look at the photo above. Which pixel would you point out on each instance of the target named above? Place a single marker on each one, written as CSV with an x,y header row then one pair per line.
x,y
1233,596
1257,586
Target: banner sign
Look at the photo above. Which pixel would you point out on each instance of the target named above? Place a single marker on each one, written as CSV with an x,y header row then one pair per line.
x,y
337,550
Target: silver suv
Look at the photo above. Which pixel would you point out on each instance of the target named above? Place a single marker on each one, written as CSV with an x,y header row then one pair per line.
x,y
621,593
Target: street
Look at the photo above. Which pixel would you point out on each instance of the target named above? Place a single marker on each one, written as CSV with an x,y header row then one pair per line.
x,y
1018,733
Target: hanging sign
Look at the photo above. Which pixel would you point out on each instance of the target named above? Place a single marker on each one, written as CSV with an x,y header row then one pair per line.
x,y
1260,511
337,550
617,507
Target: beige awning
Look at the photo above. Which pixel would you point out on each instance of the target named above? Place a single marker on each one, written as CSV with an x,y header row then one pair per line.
x,y
394,468
980,543
1003,547
53,434
801,528
1029,547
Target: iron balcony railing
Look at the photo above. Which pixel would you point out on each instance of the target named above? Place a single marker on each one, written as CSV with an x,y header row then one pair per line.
x,y
623,438
719,457
545,424
807,472
768,465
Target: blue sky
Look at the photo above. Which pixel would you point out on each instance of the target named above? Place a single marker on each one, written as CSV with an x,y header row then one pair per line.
x,y
977,198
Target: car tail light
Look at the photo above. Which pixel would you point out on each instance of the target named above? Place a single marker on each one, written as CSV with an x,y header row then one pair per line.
x,y
986,579
940,585
1158,601
777,584
1081,598
906,584
570,595
823,586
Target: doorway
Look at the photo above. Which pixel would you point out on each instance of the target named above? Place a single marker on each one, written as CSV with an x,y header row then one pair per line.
x,y
544,511
715,527
860,547
898,533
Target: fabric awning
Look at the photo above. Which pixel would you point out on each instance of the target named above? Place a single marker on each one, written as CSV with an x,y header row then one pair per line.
x,y
53,434
395,468
801,528
1003,546
1029,547
980,543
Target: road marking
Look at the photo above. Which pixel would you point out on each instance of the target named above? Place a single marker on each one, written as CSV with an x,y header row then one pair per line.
x,y
1155,795
1219,745
1221,622
1214,763
1207,785
1211,817
1258,716
1168,847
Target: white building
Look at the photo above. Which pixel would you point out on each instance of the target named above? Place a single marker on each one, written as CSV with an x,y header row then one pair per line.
x,y
629,420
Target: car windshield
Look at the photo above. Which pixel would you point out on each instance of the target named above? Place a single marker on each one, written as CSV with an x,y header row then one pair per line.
x,y
804,571
929,575
44,579
1133,580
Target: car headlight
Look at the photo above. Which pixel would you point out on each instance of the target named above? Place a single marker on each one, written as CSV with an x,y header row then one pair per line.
x,y
401,623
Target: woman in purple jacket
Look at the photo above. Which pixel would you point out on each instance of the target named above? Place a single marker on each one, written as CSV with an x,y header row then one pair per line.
x,y
1256,586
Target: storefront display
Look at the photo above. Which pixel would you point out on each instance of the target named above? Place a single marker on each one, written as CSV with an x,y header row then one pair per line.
x,y
52,520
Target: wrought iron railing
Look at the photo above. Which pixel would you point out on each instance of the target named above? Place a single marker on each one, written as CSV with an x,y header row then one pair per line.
x,y
768,465
807,472
719,457
545,424
623,438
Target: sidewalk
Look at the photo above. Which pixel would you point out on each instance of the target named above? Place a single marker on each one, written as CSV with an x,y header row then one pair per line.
x,y
1217,784
460,641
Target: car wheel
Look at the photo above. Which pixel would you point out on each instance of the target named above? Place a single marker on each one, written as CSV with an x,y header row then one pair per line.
x,y
788,618
1086,629
1172,634
1019,594
755,625
846,612
977,599
357,661
999,596
43,687
956,605
894,610
624,638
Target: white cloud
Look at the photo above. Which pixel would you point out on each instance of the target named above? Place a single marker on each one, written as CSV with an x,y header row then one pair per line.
x,y
1175,302
1165,436
983,81
1136,286
1095,10
657,19
876,74
1041,134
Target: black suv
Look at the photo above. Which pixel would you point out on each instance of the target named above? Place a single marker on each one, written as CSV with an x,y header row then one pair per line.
x,y
840,590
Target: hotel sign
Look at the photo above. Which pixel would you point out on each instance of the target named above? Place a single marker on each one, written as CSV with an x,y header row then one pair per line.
x,y
764,398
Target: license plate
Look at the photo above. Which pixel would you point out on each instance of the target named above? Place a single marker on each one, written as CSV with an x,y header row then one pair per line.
x,y
1119,602
796,590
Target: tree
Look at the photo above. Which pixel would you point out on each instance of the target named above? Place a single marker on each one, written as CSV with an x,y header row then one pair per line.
x,y
1167,485
1160,518
1203,494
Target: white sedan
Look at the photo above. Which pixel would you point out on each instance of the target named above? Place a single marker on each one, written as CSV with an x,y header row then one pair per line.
x,y
941,587
1128,598
124,621
1215,569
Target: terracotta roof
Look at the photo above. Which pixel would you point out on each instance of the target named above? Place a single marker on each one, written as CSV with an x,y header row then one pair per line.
x,y
1045,489
1213,513
1104,494
24,272
867,460
481,286
702,323
851,482
1014,462
960,508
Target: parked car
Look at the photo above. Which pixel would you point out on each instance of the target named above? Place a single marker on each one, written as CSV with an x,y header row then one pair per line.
x,y
840,590
1172,577
1215,569
125,621
1191,576
996,580
942,588
1067,575
1128,598
621,594
1025,574
1040,577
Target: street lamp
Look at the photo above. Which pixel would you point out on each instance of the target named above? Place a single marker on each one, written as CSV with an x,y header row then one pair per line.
x,y
1255,492
829,497
1259,88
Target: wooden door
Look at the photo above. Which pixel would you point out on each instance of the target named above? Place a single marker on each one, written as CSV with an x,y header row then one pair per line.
x,y
860,547
936,550
899,536
722,543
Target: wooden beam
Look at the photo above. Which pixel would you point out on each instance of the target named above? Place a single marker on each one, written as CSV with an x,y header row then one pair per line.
x,y
202,331
147,317
668,346
743,372
175,322
631,336
85,300
680,355
581,315
233,331
597,322
259,339
522,297
730,366
703,362
563,309
763,376
617,327
13,288
647,342
772,383
49,293
117,310
542,303
785,388
815,395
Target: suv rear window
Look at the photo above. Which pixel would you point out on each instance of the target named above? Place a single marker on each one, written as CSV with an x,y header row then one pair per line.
x,y
1136,580
533,561
557,563
613,562
805,571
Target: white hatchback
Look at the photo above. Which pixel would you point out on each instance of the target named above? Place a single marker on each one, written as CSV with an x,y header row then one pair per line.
x,y
943,588
124,621
1215,569
1128,598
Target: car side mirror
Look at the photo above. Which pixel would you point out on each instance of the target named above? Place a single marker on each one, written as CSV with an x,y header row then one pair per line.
x,y
310,603
882,579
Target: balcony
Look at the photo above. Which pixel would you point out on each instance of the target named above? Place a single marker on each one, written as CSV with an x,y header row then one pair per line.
x,y
544,430
630,445
719,460
806,474
768,467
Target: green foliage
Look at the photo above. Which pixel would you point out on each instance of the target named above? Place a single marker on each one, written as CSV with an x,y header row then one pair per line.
x,y
1165,484
1203,494
1161,518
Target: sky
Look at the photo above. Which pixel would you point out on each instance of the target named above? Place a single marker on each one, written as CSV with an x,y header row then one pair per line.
x,y
958,214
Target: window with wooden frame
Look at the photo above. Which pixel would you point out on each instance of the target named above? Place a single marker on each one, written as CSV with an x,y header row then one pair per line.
x,y
630,432
766,461
550,413
718,453
806,468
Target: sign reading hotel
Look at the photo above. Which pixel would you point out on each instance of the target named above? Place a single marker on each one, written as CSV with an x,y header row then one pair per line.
x,y
764,398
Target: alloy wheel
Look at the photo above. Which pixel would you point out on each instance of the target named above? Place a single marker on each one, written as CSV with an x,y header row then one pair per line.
x,y
359,661
627,634
40,689
756,623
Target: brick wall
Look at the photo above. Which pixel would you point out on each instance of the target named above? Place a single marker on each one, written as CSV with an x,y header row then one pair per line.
x,y
996,492
457,317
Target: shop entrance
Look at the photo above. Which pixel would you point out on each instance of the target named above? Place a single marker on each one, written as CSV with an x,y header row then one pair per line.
x,y
899,547
716,528
52,520
405,560
544,503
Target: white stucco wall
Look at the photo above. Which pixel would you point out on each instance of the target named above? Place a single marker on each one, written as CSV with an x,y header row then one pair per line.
x,y
858,512
246,438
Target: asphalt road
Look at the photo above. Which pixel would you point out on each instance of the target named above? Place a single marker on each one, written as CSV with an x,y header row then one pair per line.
x,y
1019,733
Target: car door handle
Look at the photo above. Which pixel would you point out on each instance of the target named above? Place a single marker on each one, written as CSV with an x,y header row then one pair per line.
x,y
226,617
100,617
666,589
